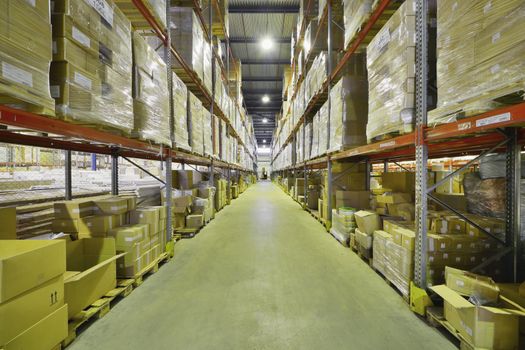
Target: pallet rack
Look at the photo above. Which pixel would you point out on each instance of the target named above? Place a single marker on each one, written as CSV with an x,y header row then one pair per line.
x,y
31,129
493,131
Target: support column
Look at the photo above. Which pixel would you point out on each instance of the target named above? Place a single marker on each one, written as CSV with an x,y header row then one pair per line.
x,y
514,237
169,224
114,174
329,74
68,181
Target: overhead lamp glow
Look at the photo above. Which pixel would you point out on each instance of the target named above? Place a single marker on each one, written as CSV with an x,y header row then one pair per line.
x,y
264,141
265,120
265,99
266,43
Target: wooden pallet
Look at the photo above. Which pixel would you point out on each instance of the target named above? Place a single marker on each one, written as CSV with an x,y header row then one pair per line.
x,y
188,232
25,99
436,318
97,310
391,135
152,268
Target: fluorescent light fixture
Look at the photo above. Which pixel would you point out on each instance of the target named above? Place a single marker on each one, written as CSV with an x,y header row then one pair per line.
x,y
265,99
265,120
266,43
264,141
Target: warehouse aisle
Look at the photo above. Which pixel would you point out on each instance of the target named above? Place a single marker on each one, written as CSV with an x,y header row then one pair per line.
x,y
262,275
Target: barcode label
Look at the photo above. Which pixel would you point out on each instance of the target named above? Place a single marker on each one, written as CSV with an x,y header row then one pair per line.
x,y
16,74
103,9
81,37
83,81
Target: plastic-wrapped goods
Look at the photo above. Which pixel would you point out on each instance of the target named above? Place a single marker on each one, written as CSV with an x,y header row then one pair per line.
x,y
180,114
481,45
299,146
151,98
195,122
379,248
207,132
399,267
90,76
343,223
158,9
485,197
25,55
323,129
493,166
308,141
349,113
187,36
207,66
217,136
391,75
355,14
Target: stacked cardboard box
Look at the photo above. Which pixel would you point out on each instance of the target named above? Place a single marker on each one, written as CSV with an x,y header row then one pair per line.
x,y
391,64
25,55
207,141
90,75
367,223
355,14
343,223
221,198
32,310
187,36
150,96
180,114
473,306
196,123
380,240
480,45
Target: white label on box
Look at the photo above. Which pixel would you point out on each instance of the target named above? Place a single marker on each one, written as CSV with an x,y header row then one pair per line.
x,y
89,224
445,255
443,246
383,39
487,7
460,283
31,2
496,37
464,126
495,69
81,37
500,118
459,246
55,91
103,9
83,81
16,74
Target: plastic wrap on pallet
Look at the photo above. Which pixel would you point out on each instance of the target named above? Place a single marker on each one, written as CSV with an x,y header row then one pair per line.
x,y
355,13
158,9
151,98
493,166
399,268
195,118
90,76
207,132
363,240
207,66
188,37
379,249
479,58
485,197
391,72
308,141
323,129
180,114
349,111
25,56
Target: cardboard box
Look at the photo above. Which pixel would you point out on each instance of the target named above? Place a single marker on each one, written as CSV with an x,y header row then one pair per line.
x,y
112,205
98,225
354,199
408,239
73,209
132,201
127,236
482,326
130,264
399,181
45,334
21,312
402,210
364,240
65,225
394,198
179,220
27,256
8,220
367,221
468,284
91,272
149,216
182,202
194,221
185,179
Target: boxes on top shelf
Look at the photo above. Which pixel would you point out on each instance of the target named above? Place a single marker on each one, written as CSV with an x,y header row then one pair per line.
x,y
480,46
391,74
355,13
90,75
156,7
25,55
150,96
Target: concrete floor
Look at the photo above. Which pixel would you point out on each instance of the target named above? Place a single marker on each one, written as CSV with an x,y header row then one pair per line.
x,y
262,275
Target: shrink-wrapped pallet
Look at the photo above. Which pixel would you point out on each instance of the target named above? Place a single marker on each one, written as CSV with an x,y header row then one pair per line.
x,y
323,129
399,266
207,132
150,95
180,114
355,13
391,72
349,108
188,37
207,66
195,122
90,77
481,46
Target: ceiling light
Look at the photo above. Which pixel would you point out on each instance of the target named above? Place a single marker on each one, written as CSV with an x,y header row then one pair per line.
x,y
266,43
265,120
265,99
264,141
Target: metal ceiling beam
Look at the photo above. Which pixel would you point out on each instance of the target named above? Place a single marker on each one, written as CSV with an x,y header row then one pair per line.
x,y
263,9
249,91
276,61
252,40
270,78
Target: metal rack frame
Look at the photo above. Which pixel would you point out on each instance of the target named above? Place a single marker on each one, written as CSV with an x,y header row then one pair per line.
x,y
493,131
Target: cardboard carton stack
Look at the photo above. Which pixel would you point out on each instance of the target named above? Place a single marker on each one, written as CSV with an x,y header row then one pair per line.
x,y
150,95
480,45
474,306
25,55
91,272
180,114
391,64
367,223
221,198
33,314
343,224
380,239
90,75
355,13
156,7
195,121
204,204
396,197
